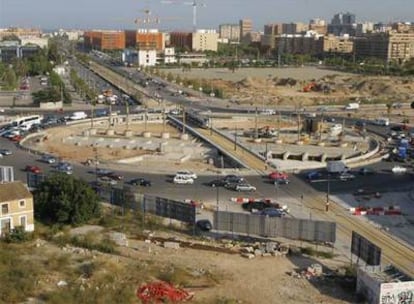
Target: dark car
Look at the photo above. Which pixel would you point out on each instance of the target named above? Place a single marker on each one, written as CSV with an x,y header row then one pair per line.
x,y
313,175
115,176
365,171
140,182
257,206
204,225
218,183
233,179
5,152
272,212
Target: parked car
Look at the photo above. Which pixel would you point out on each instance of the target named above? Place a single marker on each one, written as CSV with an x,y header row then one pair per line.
x,y
140,182
66,170
100,171
281,181
204,225
107,180
48,159
33,169
245,188
365,171
182,179
115,176
345,176
5,152
186,173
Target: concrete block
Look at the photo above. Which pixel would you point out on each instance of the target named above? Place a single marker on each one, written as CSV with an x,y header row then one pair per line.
x,y
258,252
172,245
248,255
146,134
184,137
266,254
248,249
305,156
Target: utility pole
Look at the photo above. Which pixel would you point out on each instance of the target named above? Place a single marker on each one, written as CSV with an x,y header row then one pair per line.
x,y
235,138
256,131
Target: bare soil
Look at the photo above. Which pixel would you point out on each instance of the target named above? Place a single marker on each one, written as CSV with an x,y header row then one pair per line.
x,y
272,87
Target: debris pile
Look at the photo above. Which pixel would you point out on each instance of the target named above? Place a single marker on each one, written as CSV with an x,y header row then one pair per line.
x,y
313,271
264,249
159,292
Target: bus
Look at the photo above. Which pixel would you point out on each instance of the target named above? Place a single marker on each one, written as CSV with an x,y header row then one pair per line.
x,y
382,121
26,122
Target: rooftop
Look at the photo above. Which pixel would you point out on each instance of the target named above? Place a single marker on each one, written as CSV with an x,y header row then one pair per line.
x,y
13,191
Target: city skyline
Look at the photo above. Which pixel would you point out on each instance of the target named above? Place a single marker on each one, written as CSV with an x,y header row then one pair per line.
x,y
55,14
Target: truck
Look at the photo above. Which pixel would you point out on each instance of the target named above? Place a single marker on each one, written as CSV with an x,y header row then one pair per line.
x,y
352,106
336,166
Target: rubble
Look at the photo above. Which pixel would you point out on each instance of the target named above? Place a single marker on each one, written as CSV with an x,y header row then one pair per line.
x,y
264,250
172,245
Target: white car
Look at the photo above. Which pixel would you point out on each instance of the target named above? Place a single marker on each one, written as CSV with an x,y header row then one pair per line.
x,y
245,187
180,179
186,173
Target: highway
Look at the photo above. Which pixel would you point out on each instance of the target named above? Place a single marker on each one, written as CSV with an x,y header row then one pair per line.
x,y
401,255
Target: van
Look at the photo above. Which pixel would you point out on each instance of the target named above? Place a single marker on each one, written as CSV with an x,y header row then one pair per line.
x,y
78,115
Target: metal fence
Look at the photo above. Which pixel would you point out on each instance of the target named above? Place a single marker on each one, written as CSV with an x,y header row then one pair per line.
x,y
290,228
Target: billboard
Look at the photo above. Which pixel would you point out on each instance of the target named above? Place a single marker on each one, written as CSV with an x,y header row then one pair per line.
x,y
34,179
364,249
291,228
172,209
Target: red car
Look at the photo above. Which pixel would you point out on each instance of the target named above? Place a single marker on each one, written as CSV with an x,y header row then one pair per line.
x,y
16,138
33,169
276,175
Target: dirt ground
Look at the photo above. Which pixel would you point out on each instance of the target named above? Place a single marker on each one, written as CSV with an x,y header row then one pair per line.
x,y
272,87
214,277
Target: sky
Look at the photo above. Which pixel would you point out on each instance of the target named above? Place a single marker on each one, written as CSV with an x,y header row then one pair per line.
x,y
177,14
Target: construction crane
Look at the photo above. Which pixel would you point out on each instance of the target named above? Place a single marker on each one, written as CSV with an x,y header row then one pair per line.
x,y
194,4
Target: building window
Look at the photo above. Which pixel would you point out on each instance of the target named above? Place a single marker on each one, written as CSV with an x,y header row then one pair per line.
x,y
4,208
22,204
23,221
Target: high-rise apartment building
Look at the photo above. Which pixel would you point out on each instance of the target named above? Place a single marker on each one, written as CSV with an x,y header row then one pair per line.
x,y
205,40
271,31
294,28
390,46
342,24
246,27
318,25
230,32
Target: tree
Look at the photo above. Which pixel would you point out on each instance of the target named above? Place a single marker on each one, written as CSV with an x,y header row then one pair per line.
x,y
64,199
10,79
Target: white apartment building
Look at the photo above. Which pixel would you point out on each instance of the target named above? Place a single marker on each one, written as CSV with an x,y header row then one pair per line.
x,y
204,40
147,57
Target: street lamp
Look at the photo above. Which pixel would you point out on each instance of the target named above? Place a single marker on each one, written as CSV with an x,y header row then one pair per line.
x,y
328,193
235,138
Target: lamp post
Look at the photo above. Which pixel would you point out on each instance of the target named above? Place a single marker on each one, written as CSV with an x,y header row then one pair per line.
x,y
328,193
235,138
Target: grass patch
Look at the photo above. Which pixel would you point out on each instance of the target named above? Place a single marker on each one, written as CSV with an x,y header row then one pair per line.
x,y
317,253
